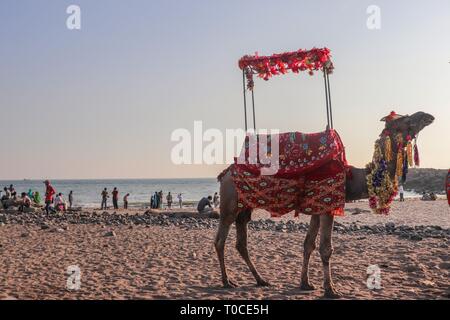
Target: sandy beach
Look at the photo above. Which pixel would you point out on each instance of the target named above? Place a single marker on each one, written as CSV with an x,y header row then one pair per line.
x,y
138,256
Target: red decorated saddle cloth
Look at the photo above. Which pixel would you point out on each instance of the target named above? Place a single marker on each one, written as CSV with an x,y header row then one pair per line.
x,y
310,178
448,187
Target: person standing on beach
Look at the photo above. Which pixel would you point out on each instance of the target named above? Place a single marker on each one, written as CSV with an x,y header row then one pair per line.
x,y
70,199
401,191
156,200
125,201
115,198
104,205
169,200
216,200
180,200
49,193
160,199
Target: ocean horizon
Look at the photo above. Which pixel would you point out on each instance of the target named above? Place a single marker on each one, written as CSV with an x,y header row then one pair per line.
x,y
87,191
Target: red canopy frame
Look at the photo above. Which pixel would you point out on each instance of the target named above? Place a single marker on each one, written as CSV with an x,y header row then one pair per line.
x,y
277,64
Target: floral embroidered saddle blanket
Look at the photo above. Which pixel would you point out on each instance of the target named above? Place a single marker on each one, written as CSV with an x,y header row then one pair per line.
x,y
308,176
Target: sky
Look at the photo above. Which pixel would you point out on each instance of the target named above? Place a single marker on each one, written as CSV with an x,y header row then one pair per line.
x,y
103,101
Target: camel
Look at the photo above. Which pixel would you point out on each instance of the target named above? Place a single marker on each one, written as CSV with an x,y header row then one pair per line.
x,y
355,189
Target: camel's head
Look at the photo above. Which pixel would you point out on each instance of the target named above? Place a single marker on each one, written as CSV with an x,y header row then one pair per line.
x,y
407,125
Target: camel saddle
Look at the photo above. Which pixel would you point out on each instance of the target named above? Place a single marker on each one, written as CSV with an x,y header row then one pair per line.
x,y
310,176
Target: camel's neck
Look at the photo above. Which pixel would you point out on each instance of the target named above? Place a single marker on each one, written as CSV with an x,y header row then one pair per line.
x,y
356,186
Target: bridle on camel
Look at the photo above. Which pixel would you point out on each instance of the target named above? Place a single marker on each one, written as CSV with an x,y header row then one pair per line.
x,y
267,66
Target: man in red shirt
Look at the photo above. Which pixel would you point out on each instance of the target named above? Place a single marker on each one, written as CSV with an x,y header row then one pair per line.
x,y
49,193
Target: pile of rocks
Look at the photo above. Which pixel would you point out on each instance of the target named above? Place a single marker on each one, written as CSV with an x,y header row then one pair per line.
x,y
415,233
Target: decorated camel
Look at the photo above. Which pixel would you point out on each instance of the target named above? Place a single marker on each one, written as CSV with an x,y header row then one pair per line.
x,y
319,190
312,175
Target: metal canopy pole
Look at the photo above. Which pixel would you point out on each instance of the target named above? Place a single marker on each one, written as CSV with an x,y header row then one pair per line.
x,y
326,97
329,99
253,104
245,98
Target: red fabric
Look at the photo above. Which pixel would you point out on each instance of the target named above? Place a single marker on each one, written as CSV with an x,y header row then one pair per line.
x,y
310,179
448,187
302,60
49,193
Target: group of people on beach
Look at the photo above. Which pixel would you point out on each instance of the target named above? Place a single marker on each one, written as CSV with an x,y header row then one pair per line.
x,y
206,204
115,199
9,196
53,201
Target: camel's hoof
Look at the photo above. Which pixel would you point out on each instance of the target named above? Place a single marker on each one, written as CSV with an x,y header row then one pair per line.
x,y
229,284
263,283
306,286
332,294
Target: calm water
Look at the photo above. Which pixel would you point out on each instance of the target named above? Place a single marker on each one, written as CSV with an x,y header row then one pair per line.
x,y
87,192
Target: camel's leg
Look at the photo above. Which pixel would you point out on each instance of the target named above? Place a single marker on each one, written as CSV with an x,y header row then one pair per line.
x,y
228,214
309,246
241,245
221,237
326,249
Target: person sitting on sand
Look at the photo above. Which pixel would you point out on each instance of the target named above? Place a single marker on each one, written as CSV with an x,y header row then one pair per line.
x,y
169,200
104,199
433,196
12,191
5,197
204,205
125,201
60,203
37,197
25,202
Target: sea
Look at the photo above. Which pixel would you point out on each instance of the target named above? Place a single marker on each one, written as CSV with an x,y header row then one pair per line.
x,y
87,192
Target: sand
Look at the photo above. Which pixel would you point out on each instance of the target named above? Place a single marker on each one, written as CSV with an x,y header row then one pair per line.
x,y
154,262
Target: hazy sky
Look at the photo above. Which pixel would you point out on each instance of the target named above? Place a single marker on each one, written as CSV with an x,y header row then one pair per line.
x,y
102,102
